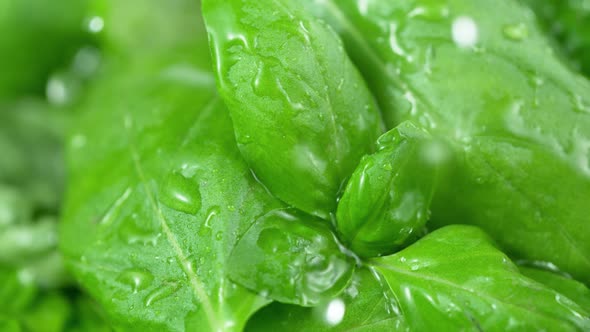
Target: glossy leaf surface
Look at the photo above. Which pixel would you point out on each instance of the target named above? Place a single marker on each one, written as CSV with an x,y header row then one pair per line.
x,y
302,114
567,286
455,279
157,202
516,116
291,257
364,306
387,200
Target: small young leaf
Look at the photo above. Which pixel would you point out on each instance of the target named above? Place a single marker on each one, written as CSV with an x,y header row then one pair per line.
x,y
387,200
481,74
302,114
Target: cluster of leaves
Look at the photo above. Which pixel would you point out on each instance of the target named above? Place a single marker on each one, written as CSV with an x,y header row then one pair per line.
x,y
263,165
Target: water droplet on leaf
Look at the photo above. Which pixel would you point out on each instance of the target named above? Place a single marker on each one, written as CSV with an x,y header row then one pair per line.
x,y
137,279
162,292
181,193
516,32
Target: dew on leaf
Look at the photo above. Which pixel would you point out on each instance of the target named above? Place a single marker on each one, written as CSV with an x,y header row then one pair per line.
x,y
206,226
580,105
165,291
86,61
133,234
181,193
59,90
137,279
78,141
395,45
516,32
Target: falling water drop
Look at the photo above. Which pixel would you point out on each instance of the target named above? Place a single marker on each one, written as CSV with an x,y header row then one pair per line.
x,y
95,24
335,312
464,32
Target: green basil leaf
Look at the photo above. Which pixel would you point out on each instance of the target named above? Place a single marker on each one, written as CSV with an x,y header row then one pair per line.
x,y
455,279
291,257
302,114
387,200
573,289
516,116
158,196
364,306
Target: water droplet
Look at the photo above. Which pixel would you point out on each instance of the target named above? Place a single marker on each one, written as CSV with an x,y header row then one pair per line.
x,y
58,90
464,32
160,293
395,45
206,226
132,233
86,61
256,83
78,141
581,152
363,6
25,276
430,12
137,279
295,105
409,96
181,193
580,105
516,32
352,291
335,312
219,236
113,211
304,32
95,24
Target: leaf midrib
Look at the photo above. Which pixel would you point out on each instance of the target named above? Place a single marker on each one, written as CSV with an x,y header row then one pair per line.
x,y
195,283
